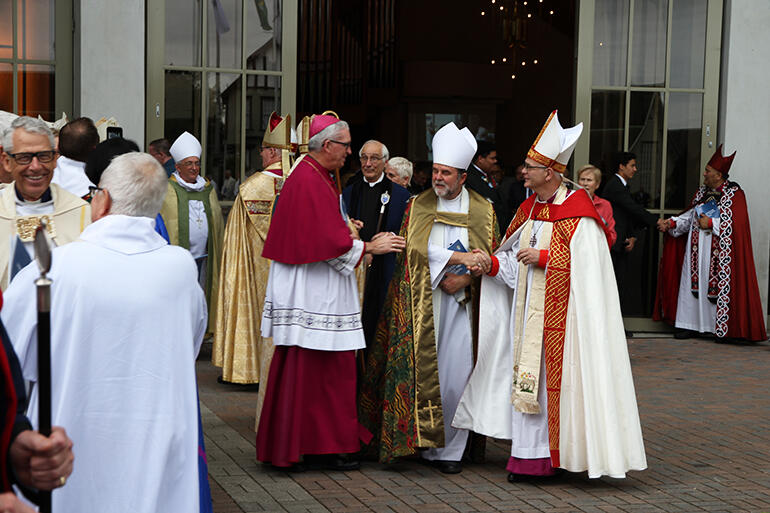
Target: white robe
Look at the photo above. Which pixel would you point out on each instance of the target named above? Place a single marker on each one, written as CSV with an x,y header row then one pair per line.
x,y
199,224
315,305
599,427
127,320
452,324
71,175
695,313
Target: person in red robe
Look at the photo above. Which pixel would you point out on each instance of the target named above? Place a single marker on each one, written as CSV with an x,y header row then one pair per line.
x,y
313,314
707,282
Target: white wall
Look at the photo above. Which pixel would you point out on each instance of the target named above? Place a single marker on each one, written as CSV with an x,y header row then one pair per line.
x,y
744,116
109,63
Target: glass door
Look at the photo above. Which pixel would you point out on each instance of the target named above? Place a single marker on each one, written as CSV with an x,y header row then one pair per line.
x,y
648,83
217,69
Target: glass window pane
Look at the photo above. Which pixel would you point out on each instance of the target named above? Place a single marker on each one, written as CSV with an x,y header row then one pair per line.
x,y
35,30
223,126
224,22
648,58
683,150
263,36
645,139
610,42
183,104
688,43
6,30
36,91
6,87
183,33
608,116
263,96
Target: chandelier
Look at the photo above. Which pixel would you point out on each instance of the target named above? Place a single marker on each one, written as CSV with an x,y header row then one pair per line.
x,y
513,18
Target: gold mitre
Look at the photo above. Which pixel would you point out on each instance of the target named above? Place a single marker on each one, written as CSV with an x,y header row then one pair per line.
x,y
278,133
554,145
303,135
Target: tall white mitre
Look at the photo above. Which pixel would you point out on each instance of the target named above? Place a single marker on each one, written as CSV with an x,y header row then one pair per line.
x,y
454,147
554,145
186,145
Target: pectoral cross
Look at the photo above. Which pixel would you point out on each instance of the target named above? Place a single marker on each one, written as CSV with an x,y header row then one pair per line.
x,y
533,240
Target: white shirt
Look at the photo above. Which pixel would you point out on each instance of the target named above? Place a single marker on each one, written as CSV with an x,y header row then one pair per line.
x,y
71,175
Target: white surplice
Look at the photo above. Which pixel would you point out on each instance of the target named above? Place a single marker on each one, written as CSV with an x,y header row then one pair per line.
x,y
315,305
599,429
71,175
127,320
695,313
452,327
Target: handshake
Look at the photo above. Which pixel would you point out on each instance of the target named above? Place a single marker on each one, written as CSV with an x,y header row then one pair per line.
x,y
477,261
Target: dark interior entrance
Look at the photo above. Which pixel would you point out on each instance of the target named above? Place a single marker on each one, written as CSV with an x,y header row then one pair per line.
x,y
396,70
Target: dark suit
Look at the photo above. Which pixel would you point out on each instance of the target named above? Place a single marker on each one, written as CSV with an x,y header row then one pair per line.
x,y
476,181
363,203
630,218
513,193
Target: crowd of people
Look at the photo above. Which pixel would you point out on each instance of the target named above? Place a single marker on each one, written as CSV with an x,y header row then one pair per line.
x,y
406,310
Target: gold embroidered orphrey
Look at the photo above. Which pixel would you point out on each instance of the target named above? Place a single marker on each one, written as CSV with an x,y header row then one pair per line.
x,y
26,226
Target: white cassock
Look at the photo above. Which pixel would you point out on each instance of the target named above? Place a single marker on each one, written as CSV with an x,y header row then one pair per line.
x,y
315,306
127,321
452,324
599,429
695,313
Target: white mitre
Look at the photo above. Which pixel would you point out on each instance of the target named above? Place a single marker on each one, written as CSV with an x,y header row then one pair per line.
x,y
186,145
554,145
454,147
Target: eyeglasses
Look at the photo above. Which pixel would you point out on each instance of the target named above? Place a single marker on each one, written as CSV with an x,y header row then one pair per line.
x,y
93,189
373,158
43,157
345,144
528,167
196,163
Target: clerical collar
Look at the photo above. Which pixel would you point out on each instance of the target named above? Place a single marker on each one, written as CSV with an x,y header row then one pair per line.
x,y
45,198
199,184
549,200
480,171
372,184
622,180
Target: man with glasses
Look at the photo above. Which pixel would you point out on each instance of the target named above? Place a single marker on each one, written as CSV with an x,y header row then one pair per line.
x,y
554,375
312,312
365,199
239,349
31,197
193,216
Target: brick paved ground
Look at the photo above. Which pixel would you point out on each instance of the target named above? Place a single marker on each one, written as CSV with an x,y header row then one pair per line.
x,y
705,411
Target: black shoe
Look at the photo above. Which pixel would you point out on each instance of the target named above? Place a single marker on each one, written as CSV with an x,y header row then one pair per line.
x,y
448,467
341,462
295,467
523,478
684,334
